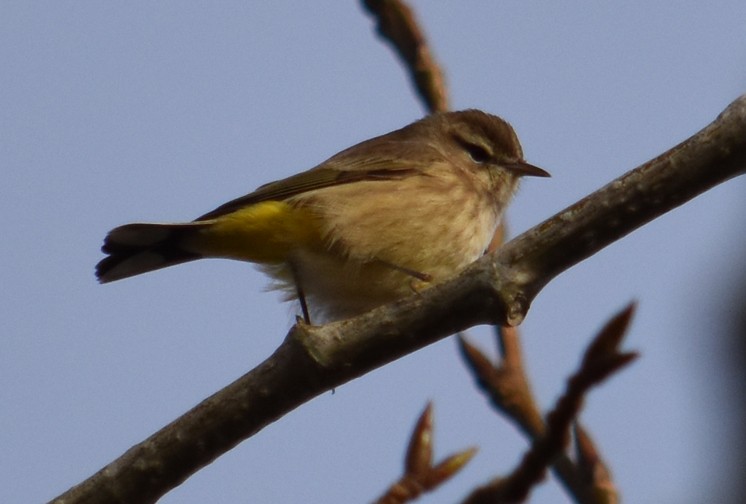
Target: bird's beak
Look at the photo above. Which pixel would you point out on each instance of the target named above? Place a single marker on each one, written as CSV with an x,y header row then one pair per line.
x,y
523,169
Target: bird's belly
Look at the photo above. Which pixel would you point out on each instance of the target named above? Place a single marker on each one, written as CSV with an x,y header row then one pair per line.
x,y
362,269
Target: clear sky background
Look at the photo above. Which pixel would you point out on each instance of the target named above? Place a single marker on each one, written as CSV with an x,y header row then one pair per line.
x,y
119,112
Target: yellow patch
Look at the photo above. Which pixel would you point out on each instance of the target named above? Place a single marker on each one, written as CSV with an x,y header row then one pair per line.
x,y
264,233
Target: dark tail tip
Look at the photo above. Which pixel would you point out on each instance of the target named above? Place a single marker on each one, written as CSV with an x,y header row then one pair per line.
x,y
138,248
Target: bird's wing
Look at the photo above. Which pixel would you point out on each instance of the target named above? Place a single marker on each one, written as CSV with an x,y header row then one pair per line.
x,y
340,169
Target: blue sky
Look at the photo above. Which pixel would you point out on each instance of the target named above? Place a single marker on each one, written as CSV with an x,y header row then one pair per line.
x,y
133,111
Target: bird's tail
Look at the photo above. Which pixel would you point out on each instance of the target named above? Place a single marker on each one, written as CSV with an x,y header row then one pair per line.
x,y
138,248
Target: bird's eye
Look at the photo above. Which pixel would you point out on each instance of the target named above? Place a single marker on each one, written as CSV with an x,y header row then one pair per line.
x,y
477,153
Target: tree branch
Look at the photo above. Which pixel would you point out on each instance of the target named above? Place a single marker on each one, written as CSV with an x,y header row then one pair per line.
x,y
602,358
708,158
398,26
421,474
508,389
497,289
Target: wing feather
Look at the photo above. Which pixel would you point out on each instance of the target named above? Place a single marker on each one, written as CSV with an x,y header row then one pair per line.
x,y
340,169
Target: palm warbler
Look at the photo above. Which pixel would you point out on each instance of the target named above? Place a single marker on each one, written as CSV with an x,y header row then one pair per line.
x,y
371,224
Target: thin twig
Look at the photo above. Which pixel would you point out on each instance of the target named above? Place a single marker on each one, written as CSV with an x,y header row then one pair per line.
x,y
507,384
507,387
595,475
601,360
420,474
397,25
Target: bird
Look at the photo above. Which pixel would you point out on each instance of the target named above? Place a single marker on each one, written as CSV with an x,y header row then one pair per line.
x,y
374,223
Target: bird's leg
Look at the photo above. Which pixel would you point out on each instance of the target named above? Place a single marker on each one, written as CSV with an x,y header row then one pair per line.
x,y
416,275
300,294
303,304
413,273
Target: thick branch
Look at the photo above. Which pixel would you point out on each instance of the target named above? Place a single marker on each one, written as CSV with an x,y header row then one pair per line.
x,y
712,156
495,290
